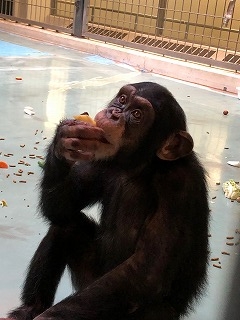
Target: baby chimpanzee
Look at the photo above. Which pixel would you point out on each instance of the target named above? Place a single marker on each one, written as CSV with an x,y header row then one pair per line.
x,y
146,258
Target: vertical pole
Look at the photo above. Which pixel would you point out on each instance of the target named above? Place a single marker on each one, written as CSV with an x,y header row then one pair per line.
x,y
232,309
160,17
78,18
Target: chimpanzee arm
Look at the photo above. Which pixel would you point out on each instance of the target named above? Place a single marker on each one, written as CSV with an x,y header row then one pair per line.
x,y
66,186
64,191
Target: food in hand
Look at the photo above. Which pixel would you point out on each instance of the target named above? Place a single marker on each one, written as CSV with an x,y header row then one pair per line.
x,y
85,118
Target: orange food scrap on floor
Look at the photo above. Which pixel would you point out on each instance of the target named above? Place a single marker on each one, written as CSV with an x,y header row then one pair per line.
x,y
3,165
18,78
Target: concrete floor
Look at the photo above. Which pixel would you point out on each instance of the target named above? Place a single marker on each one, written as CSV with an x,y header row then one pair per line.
x,y
58,82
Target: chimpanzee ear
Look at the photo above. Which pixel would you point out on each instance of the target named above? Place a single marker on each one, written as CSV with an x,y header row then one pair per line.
x,y
178,145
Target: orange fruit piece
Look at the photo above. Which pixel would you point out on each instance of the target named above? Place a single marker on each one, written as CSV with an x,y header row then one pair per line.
x,y
85,118
3,165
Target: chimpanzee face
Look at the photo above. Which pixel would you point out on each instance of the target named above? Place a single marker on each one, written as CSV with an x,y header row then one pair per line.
x,y
126,120
130,117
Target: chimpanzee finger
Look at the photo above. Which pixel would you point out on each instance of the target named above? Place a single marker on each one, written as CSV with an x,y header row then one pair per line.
x,y
75,144
82,131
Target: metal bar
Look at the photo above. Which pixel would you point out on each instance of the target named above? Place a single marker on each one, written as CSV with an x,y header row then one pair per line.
x,y
127,13
205,20
161,16
78,18
202,25
39,24
85,16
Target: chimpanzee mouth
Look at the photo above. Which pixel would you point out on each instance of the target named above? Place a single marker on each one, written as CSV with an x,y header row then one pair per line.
x,y
104,140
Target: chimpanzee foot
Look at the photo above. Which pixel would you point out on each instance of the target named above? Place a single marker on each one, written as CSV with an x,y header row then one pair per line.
x,y
24,313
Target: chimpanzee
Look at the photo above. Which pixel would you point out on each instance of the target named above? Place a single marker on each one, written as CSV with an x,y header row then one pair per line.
x,y
146,258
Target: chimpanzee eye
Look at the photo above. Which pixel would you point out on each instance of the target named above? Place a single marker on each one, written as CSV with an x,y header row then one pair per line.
x,y
122,99
137,114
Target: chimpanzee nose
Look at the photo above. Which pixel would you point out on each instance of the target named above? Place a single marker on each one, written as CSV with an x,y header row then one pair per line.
x,y
114,113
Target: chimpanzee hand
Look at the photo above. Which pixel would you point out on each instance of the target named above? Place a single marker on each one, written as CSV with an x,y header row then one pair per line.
x,y
76,140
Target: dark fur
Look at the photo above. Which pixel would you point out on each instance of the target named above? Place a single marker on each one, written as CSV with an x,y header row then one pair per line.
x,y
147,257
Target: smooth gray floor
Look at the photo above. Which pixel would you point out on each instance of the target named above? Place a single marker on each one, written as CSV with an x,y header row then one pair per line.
x,y
57,83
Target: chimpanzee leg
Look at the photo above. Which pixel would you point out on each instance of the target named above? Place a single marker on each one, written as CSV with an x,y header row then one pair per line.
x,y
159,311
163,311
82,256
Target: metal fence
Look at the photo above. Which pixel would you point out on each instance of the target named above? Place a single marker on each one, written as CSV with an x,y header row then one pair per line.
x,y
204,31
52,14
